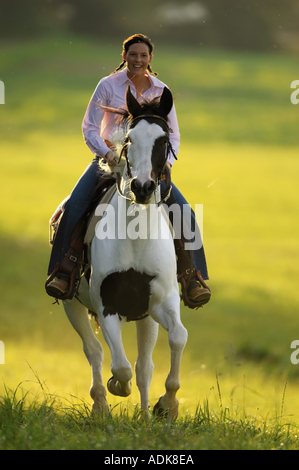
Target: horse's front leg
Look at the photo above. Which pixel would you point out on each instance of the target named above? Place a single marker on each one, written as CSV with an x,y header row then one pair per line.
x,y
169,317
147,333
78,316
120,382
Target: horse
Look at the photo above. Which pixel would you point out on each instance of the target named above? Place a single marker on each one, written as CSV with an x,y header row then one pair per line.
x,y
134,278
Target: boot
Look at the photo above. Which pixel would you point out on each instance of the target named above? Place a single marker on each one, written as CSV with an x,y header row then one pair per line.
x,y
59,287
61,283
195,292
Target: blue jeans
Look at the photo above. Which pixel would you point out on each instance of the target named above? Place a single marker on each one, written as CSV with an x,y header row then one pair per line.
x,y
199,258
78,203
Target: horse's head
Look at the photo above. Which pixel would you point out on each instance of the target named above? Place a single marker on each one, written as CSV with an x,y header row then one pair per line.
x,y
147,143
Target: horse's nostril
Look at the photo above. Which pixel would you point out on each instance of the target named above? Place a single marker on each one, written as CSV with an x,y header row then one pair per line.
x,y
149,186
136,185
142,191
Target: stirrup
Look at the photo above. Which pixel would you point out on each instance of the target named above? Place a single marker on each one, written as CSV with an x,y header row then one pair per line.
x,y
185,279
72,287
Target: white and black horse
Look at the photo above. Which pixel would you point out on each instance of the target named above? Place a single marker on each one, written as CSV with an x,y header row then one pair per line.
x,y
134,278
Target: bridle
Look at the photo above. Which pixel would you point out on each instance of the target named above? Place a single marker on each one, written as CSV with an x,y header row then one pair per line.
x,y
169,149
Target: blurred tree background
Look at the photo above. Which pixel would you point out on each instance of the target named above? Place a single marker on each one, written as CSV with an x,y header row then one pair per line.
x,y
235,24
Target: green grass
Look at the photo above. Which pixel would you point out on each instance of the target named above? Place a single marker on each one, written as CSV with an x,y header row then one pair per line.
x,y
53,423
239,158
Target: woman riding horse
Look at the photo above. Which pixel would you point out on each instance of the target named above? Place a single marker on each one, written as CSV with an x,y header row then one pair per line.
x,y
99,123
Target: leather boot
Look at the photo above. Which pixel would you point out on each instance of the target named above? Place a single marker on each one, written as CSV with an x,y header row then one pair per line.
x,y
198,294
58,288
61,283
195,292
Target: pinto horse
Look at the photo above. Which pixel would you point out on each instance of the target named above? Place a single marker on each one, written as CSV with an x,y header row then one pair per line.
x,y
134,278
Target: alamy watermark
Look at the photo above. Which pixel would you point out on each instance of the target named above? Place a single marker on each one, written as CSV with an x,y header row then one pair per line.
x,y
295,354
2,93
2,355
295,94
138,222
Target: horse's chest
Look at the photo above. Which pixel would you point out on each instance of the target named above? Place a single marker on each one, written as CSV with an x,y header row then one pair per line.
x,y
126,293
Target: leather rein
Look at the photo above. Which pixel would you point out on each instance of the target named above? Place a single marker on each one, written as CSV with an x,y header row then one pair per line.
x,y
164,171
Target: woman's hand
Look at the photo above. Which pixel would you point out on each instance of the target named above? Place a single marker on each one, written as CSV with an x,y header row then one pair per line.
x,y
169,166
111,158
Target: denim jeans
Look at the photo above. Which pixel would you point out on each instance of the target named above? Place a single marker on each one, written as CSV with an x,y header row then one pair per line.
x,y
78,203
190,225
74,209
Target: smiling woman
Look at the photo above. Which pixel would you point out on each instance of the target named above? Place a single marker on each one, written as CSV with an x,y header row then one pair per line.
x,y
138,59
138,39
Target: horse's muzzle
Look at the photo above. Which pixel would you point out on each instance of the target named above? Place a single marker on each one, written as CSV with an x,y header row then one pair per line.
x,y
142,192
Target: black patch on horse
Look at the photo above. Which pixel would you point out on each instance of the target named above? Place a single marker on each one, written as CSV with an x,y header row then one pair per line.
x,y
158,155
149,111
127,294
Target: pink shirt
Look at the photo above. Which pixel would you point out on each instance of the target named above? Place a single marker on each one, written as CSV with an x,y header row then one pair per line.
x,y
98,124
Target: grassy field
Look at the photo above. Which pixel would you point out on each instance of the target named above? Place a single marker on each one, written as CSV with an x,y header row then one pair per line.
x,y
239,158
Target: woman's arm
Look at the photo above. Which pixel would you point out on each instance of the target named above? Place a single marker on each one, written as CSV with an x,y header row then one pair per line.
x,y
174,136
91,125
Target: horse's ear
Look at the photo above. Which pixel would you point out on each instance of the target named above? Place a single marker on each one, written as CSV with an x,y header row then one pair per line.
x,y
133,106
166,101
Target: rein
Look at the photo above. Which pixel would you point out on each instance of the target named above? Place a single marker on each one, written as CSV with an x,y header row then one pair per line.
x,y
124,152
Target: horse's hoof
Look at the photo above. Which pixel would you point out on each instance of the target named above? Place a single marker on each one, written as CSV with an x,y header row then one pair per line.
x,y
163,412
159,410
100,405
100,409
116,389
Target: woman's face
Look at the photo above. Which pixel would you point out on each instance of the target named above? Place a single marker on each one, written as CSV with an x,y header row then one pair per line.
x,y
137,58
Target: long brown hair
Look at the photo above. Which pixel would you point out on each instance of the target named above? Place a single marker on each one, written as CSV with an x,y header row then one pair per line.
x,y
136,38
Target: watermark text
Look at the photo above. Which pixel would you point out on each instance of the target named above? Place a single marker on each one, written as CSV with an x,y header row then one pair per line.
x,y
2,355
147,223
295,94
2,92
295,354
